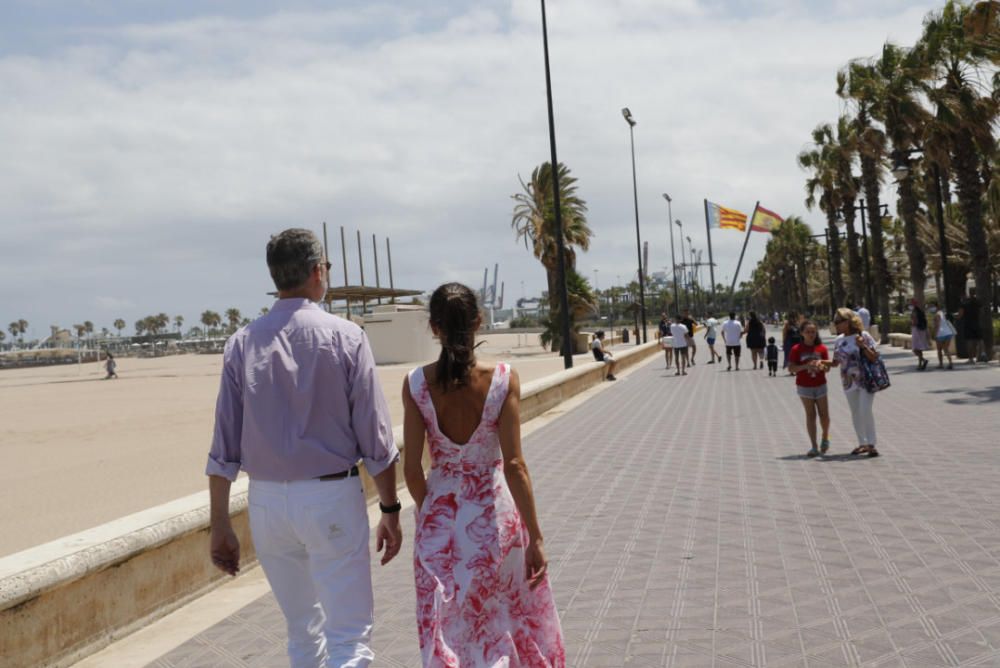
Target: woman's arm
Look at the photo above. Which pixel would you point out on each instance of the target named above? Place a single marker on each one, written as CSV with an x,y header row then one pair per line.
x,y
414,433
514,467
515,470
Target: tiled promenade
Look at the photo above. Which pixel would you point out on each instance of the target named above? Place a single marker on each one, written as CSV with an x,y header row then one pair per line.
x,y
685,528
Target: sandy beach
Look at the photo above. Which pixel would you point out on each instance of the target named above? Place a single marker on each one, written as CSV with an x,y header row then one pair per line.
x,y
77,451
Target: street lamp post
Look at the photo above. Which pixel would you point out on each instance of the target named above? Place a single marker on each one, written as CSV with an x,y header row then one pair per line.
x,y
869,295
567,344
687,297
638,242
673,260
901,170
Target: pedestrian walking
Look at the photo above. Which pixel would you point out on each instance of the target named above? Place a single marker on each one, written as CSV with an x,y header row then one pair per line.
x,y
110,366
942,331
679,337
790,335
968,318
665,341
852,342
732,334
483,595
865,315
689,322
772,357
299,405
919,342
601,354
711,329
756,339
810,361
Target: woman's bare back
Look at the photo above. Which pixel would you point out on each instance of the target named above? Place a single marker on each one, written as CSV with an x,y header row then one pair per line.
x,y
460,409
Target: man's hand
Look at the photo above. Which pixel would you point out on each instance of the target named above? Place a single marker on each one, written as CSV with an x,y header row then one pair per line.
x,y
535,564
388,534
225,549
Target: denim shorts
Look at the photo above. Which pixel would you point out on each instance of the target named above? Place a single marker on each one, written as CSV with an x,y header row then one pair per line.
x,y
813,393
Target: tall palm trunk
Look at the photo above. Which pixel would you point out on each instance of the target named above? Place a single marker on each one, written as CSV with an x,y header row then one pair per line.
x,y
856,273
869,181
970,192
918,261
552,277
835,259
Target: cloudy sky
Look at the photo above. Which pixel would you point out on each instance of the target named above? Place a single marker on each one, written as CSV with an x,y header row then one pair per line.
x,y
150,148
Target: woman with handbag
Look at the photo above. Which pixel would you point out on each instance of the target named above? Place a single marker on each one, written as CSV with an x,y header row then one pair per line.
x,y
854,351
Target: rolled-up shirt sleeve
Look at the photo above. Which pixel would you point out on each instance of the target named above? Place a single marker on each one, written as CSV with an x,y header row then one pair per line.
x,y
370,418
226,456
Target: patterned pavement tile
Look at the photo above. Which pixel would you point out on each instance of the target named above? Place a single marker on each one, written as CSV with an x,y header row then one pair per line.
x,y
686,528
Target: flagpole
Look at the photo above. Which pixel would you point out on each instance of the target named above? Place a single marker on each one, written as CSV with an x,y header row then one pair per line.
x,y
732,288
711,262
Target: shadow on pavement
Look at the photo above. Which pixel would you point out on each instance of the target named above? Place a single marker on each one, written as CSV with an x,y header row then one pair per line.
x,y
842,457
984,395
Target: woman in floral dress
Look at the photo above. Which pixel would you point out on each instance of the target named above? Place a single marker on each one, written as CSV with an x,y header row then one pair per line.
x,y
483,597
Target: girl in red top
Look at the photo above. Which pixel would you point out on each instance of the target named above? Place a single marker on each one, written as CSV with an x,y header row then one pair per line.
x,y
810,361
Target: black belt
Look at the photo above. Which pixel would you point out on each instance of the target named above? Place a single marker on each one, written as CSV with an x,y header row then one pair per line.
x,y
340,476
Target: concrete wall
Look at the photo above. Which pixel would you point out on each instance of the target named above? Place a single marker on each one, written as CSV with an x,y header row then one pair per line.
x,y
400,334
64,600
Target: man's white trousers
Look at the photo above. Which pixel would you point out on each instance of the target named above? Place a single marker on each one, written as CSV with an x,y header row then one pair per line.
x,y
311,537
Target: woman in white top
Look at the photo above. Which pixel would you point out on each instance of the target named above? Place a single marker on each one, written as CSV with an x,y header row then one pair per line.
x,y
853,342
942,331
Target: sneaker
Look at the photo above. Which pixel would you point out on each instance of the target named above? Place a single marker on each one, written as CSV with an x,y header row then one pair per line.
x,y
824,446
710,362
611,377
813,453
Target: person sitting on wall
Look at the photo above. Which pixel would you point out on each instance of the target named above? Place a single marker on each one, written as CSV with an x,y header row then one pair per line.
x,y
602,355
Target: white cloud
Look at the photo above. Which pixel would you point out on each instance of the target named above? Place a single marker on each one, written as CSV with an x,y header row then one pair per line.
x,y
154,160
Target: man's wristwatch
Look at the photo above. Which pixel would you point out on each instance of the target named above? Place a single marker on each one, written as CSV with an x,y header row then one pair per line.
x,y
388,510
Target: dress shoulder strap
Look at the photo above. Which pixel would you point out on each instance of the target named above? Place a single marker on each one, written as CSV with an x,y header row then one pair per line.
x,y
421,394
499,386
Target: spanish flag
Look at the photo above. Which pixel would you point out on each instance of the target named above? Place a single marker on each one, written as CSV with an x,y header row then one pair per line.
x,y
765,220
726,219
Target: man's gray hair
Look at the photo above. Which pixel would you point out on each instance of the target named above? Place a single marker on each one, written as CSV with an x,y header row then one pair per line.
x,y
291,256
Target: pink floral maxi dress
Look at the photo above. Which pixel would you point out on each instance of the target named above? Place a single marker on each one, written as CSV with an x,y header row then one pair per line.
x,y
474,606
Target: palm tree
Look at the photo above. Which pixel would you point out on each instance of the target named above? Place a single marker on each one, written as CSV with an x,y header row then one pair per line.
x,y
857,83
14,328
178,322
966,109
842,154
233,316
211,320
534,221
822,161
119,325
140,326
897,77
88,328
3,335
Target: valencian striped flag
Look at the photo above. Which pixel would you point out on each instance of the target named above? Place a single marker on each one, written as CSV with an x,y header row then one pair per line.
x,y
765,220
725,219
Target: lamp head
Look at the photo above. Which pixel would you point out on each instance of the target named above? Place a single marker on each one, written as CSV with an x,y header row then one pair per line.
x,y
628,116
678,223
667,197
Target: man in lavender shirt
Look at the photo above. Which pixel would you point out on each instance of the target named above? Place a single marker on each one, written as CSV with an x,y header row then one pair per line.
x,y
299,405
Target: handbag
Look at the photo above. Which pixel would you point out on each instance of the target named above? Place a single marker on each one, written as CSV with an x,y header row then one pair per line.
x,y
874,376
